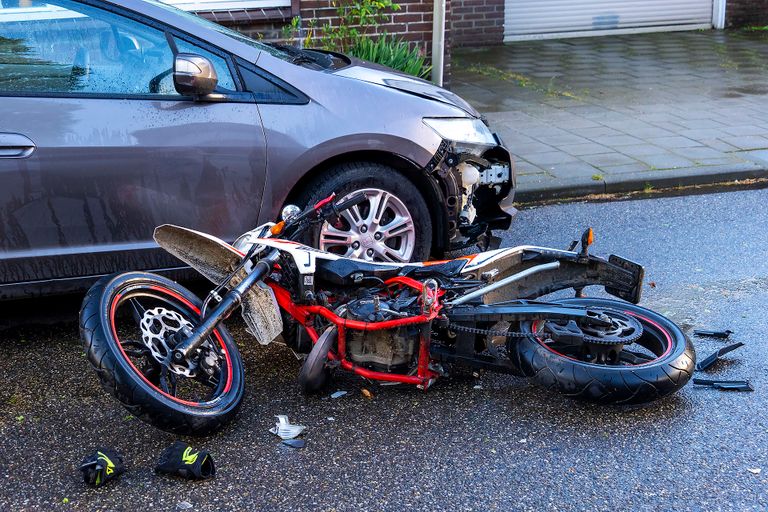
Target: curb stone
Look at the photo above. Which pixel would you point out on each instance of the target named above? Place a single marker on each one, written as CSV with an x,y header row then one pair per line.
x,y
638,181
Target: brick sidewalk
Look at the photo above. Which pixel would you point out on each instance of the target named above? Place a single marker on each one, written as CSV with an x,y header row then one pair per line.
x,y
618,113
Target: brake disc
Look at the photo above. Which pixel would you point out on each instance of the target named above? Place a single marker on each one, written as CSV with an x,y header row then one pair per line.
x,y
624,329
158,325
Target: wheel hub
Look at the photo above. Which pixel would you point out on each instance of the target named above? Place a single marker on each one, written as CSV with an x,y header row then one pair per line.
x,y
379,229
158,327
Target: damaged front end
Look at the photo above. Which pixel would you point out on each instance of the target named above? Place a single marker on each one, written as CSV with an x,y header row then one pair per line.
x,y
477,181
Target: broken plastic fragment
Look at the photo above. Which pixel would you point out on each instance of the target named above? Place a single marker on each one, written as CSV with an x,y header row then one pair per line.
x,y
294,443
723,335
754,471
714,357
284,429
338,394
725,385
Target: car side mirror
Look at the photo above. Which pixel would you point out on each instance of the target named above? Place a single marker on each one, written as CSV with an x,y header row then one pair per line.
x,y
193,75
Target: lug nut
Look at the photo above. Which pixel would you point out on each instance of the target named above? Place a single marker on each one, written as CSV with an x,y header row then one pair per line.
x,y
363,229
355,245
377,236
369,252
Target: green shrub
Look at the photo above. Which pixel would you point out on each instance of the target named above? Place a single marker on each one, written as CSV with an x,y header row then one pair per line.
x,y
393,53
358,19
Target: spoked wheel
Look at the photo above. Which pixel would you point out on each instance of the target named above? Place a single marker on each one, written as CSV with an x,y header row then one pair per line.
x,y
130,323
631,356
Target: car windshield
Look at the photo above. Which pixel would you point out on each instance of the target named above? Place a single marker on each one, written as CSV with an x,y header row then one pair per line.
x,y
224,30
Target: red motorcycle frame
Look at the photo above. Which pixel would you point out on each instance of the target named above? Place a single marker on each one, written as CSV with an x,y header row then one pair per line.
x,y
424,376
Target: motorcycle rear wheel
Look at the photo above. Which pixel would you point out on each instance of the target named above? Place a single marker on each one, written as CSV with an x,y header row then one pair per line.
x,y
667,364
125,323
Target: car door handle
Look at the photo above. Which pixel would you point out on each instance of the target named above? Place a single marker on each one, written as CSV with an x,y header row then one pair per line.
x,y
15,145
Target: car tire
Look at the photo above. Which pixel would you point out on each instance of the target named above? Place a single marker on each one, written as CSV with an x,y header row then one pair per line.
x,y
349,178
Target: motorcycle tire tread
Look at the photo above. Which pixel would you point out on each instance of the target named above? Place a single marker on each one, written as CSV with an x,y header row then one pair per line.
x,y
604,384
125,389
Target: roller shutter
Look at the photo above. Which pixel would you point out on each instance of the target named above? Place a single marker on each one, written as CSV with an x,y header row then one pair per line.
x,y
530,19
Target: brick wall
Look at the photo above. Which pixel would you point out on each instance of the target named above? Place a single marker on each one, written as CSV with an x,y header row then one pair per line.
x,y
743,13
478,22
413,22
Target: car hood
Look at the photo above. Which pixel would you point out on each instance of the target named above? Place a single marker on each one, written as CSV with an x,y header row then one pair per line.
x,y
381,75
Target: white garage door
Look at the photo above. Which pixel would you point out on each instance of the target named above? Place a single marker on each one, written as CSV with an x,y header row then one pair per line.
x,y
533,19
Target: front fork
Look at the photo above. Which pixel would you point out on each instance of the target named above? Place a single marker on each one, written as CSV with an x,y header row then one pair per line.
x,y
188,342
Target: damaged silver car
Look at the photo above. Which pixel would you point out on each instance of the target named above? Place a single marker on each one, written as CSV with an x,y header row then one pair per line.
x,y
118,116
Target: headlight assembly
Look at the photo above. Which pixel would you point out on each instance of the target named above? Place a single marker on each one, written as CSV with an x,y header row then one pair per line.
x,y
461,130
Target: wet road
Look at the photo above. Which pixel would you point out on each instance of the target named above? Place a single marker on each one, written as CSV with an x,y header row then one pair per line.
x,y
507,446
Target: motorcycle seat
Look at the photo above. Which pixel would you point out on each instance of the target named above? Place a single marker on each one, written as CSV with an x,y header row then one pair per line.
x,y
341,271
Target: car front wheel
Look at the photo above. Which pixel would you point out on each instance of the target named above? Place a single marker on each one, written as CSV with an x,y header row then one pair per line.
x,y
393,224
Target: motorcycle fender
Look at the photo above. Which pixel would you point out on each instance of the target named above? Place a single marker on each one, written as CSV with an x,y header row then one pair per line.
x,y
213,258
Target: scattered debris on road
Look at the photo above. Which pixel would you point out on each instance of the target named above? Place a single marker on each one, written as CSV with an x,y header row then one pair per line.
x,y
338,394
725,385
710,360
284,429
183,505
723,335
295,443
754,471
367,393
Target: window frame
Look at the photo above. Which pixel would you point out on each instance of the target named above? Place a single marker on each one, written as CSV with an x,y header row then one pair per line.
x,y
239,96
226,5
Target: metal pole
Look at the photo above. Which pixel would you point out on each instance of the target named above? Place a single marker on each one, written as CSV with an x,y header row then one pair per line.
x,y
718,14
438,41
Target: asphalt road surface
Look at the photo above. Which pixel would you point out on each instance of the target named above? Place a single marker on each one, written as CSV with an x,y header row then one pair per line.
x,y
507,446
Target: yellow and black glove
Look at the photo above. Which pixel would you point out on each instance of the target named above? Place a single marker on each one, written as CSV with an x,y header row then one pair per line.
x,y
181,460
102,466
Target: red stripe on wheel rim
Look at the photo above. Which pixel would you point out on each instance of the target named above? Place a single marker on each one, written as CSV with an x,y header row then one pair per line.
x,y
194,308
667,351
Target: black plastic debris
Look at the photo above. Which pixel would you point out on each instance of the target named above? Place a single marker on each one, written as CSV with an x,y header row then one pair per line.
x,y
725,385
723,335
715,356
294,443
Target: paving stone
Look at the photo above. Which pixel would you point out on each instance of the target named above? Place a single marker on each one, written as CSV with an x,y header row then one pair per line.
x,y
697,153
590,148
747,142
674,142
668,161
571,169
620,140
550,158
641,150
744,130
618,169
608,159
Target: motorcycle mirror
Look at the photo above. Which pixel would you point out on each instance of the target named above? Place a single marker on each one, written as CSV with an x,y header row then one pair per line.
x,y
290,211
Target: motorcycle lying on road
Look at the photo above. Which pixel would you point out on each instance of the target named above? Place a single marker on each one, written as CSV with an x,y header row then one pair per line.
x,y
167,356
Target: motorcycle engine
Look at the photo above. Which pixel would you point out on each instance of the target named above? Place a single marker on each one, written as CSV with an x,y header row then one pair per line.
x,y
387,350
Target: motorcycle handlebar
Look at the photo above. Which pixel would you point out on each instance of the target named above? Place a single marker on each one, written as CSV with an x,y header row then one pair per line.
x,y
349,203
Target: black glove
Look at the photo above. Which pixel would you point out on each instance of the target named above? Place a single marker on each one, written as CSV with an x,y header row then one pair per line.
x,y
181,460
102,466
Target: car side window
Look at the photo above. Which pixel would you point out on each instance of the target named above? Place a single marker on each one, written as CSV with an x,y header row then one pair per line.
x,y
60,46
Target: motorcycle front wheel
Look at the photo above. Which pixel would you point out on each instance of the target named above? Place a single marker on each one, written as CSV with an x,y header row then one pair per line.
x,y
127,323
658,363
